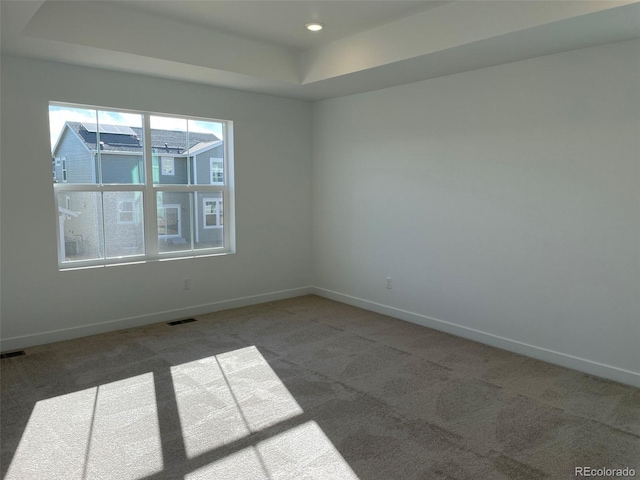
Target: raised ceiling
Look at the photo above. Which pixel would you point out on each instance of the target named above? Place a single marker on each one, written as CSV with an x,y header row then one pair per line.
x,y
282,22
262,46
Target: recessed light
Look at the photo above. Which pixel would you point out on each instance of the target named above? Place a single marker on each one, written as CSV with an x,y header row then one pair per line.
x,y
314,26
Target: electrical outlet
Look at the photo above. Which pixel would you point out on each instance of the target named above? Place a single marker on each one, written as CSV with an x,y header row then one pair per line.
x,y
389,283
186,283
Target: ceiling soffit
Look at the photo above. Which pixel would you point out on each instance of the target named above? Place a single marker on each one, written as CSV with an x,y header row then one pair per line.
x,y
448,38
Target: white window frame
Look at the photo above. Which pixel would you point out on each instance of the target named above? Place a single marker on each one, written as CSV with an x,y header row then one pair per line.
x,y
63,166
120,211
215,161
171,170
217,213
149,196
178,208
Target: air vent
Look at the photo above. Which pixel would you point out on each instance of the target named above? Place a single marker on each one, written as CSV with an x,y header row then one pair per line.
x,y
11,354
178,322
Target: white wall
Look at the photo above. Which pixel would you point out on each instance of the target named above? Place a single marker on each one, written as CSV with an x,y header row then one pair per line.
x,y
273,163
503,202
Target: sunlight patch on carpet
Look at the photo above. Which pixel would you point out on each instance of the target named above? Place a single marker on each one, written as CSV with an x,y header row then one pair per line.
x,y
227,397
128,428
300,452
304,452
245,463
110,431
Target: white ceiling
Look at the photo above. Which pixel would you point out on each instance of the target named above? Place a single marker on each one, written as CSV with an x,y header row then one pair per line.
x,y
261,45
282,22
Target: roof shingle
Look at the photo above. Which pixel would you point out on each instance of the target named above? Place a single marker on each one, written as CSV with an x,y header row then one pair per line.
x,y
170,141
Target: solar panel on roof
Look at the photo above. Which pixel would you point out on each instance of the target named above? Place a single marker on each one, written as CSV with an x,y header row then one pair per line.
x,y
123,130
111,129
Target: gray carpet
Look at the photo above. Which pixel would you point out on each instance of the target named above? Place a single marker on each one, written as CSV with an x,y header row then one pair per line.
x,y
304,388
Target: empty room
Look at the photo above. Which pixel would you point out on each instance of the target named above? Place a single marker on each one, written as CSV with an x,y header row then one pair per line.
x,y
374,239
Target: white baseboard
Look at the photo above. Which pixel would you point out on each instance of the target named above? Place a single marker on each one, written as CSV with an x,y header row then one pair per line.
x,y
25,341
576,363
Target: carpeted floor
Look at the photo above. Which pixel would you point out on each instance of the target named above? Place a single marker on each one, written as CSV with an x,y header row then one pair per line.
x,y
299,389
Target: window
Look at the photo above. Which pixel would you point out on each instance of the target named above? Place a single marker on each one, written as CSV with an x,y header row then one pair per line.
x,y
63,162
212,211
125,212
169,223
139,186
217,171
167,165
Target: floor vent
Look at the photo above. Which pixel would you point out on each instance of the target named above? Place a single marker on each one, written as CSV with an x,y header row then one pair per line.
x,y
12,354
178,322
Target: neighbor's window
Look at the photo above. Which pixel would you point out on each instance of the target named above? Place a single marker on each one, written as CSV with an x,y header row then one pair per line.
x,y
62,163
212,211
137,186
217,171
125,212
167,165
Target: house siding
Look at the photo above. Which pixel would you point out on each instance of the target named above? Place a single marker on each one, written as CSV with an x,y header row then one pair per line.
x,y
122,168
180,174
78,159
82,234
203,168
85,236
124,234
212,237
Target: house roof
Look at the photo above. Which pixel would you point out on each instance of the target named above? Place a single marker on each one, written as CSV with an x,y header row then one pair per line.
x,y
169,141
198,148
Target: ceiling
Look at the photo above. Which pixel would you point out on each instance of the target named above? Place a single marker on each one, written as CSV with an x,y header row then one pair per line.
x,y
262,46
282,22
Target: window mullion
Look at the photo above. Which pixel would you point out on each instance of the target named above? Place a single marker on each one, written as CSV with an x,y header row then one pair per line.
x,y
150,208
192,220
83,187
98,158
104,227
189,188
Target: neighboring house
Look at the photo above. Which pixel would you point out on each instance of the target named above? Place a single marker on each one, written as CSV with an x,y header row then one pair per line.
x,y
115,156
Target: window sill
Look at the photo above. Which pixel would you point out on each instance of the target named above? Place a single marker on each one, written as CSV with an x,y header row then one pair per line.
x,y
88,266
